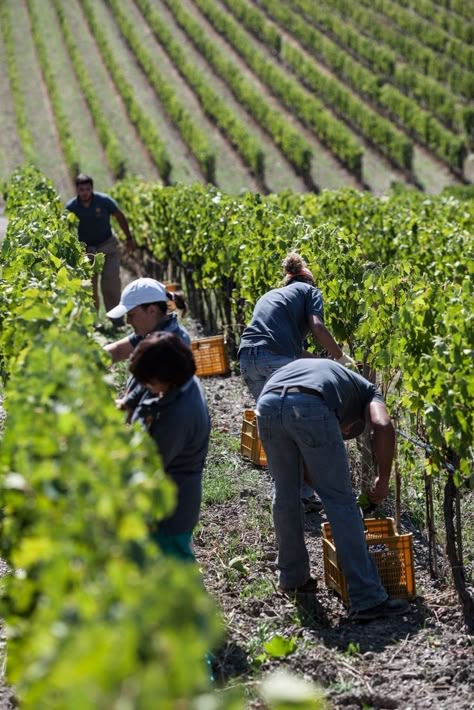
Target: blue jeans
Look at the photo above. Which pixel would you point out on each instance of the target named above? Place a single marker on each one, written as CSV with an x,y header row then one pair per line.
x,y
293,426
257,365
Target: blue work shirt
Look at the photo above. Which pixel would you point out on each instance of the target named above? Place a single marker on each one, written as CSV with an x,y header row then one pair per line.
x,y
169,324
280,319
180,425
345,392
94,220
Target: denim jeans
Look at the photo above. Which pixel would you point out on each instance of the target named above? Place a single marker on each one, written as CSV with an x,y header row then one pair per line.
x,y
257,365
293,426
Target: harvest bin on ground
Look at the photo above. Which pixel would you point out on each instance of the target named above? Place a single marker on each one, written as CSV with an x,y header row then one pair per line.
x,y
392,553
250,444
210,355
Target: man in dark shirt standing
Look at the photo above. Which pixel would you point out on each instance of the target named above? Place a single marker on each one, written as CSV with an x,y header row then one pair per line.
x,y
93,210
305,411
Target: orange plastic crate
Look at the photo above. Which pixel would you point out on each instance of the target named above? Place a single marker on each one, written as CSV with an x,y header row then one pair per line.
x,y
392,553
171,286
210,355
250,444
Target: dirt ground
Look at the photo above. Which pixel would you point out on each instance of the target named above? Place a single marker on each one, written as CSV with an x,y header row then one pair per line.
x,y
421,660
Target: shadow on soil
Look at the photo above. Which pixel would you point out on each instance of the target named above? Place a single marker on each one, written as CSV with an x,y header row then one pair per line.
x,y
230,660
372,636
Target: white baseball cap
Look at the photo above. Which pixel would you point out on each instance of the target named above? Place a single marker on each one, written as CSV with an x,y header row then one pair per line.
x,y
137,293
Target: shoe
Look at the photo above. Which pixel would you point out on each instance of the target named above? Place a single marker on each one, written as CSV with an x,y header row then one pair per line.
x,y
312,504
309,587
390,607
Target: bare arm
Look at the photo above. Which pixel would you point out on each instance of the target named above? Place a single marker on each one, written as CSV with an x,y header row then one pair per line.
x,y
322,336
122,220
120,350
383,446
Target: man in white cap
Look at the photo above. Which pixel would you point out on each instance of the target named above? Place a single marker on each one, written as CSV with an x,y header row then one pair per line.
x,y
144,302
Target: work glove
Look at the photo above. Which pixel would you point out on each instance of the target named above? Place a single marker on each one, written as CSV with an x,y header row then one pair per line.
x,y
348,362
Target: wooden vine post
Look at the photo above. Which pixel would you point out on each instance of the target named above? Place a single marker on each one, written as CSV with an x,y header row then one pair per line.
x,y
398,487
430,523
452,521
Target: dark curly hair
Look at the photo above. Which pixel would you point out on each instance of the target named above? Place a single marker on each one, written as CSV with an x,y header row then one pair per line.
x,y
296,269
164,357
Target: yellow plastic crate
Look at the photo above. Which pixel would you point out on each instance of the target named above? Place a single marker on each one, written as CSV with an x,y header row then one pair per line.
x,y
210,355
392,554
250,444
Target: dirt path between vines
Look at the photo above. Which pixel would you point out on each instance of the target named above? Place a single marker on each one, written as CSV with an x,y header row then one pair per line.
x,y
422,660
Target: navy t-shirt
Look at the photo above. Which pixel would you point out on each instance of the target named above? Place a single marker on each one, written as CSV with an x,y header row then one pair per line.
x,y
344,391
94,221
280,319
169,324
180,425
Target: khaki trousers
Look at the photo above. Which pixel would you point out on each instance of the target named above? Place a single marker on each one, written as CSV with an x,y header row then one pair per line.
x,y
110,277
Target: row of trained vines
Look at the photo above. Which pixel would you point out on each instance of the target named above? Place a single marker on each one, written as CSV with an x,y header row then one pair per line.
x,y
391,42
21,116
212,104
347,79
393,105
95,615
138,116
108,137
396,276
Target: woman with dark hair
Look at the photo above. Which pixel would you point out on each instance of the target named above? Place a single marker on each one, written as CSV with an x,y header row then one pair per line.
x,y
174,412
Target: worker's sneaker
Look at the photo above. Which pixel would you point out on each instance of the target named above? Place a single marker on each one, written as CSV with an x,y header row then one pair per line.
x,y
390,607
309,587
312,504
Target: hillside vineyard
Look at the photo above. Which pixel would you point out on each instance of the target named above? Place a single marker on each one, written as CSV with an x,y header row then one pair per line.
x,y
258,96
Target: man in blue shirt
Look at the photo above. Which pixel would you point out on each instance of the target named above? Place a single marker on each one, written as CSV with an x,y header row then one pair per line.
x,y
305,411
94,209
